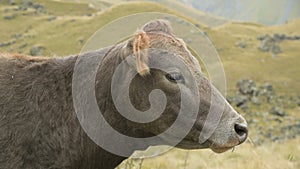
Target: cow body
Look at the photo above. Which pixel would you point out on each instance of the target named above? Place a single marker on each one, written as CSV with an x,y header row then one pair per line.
x,y
39,128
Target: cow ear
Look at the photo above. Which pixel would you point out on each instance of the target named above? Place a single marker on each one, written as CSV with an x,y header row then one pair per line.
x,y
158,25
137,47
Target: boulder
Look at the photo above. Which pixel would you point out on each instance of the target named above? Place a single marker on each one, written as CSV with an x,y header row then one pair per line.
x,y
277,111
241,45
255,100
230,99
275,49
81,40
240,101
9,17
36,50
12,2
51,18
246,86
271,44
279,37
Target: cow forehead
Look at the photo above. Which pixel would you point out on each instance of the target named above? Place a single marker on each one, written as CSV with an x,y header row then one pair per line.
x,y
174,45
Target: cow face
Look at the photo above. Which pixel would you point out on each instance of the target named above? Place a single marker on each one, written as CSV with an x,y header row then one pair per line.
x,y
162,61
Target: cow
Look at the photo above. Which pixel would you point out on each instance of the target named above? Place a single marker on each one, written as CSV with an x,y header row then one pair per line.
x,y
39,127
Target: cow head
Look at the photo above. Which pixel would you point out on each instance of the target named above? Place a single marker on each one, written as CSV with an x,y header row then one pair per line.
x,y
184,86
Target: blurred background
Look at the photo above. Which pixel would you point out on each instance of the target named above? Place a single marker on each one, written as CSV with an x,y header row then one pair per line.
x,y
258,42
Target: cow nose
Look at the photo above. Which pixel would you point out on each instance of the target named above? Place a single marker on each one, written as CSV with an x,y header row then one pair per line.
x,y
241,130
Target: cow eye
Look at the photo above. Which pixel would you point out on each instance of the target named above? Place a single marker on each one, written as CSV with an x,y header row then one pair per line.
x,y
175,77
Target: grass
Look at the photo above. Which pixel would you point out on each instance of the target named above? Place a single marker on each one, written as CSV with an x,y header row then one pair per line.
x,y
61,8
254,64
56,36
283,155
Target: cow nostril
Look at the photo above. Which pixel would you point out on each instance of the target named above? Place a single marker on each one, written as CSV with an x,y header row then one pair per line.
x,y
242,131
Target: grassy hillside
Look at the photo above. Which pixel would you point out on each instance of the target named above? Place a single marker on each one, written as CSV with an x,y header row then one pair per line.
x,y
282,70
62,27
55,35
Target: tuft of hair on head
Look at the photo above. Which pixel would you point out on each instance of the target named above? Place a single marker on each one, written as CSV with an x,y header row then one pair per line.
x,y
140,46
158,25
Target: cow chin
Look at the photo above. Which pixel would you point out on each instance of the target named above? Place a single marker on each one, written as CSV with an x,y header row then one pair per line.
x,y
188,144
220,150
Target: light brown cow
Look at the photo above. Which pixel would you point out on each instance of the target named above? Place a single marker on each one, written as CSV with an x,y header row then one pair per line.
x,y
38,124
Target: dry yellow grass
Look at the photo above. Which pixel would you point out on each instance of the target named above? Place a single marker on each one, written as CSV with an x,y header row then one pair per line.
x,y
284,155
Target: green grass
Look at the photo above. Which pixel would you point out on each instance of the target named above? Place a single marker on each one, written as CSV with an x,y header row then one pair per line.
x,y
254,64
60,8
56,36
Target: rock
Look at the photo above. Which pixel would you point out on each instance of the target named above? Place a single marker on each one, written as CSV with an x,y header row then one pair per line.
x,y
267,90
246,86
279,37
23,45
240,101
16,36
230,99
9,17
5,44
37,6
278,120
277,111
16,8
36,50
297,37
262,37
25,4
12,2
255,100
271,44
268,135
51,18
291,130
275,139
254,91
241,45
290,38
81,40
268,87
275,49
